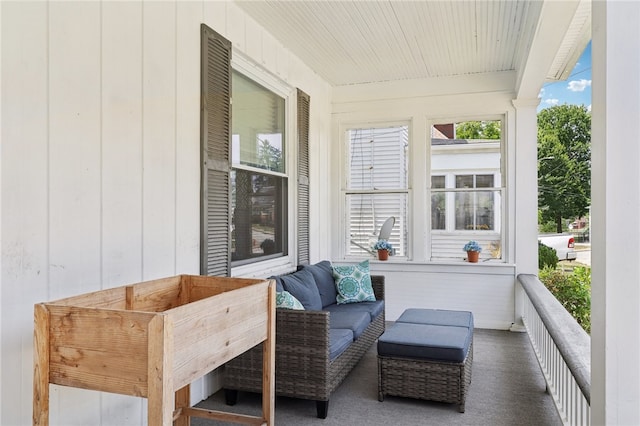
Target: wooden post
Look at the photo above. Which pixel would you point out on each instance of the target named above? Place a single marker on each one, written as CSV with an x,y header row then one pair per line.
x,y
41,366
160,378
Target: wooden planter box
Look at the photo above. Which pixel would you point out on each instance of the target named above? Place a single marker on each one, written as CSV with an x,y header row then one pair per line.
x,y
152,339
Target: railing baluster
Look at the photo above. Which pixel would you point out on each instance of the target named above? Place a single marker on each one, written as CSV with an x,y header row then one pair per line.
x,y
566,371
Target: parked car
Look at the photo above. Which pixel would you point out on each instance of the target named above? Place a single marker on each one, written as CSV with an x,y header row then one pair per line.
x,y
564,245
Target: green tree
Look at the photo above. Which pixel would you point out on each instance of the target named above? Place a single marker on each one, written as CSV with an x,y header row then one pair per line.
x,y
269,157
564,162
478,130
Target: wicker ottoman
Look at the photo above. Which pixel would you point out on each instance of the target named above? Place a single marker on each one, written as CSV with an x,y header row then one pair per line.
x,y
427,354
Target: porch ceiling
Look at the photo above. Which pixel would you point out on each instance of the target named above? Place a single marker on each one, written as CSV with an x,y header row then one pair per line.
x,y
355,42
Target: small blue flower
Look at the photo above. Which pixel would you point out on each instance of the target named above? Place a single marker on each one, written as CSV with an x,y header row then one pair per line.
x,y
383,245
472,246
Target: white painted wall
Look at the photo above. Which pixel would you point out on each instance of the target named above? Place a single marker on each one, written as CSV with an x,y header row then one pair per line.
x,y
100,164
486,290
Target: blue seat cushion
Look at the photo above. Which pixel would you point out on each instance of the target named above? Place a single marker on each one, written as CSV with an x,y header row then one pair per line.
x,y
425,341
437,317
373,308
354,321
303,287
339,341
323,275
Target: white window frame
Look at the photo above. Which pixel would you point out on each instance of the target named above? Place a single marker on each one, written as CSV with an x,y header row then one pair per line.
x,y
250,69
501,186
345,191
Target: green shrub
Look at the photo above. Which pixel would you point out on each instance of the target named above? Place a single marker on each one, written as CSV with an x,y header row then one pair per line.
x,y
547,256
547,227
573,291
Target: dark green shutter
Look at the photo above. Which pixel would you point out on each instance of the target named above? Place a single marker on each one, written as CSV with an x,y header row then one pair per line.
x,y
215,143
303,177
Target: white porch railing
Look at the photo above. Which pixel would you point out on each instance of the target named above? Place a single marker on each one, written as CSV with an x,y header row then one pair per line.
x,y
562,348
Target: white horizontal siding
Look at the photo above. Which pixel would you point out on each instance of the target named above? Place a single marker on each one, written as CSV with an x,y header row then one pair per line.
x,y
486,290
449,246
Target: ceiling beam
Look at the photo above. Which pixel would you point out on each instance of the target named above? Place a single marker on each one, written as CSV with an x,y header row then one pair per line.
x,y
556,17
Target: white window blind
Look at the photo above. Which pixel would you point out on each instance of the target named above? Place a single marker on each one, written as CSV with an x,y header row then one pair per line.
x,y
377,186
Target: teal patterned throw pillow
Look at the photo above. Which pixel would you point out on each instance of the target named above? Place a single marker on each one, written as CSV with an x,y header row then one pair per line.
x,y
285,300
353,283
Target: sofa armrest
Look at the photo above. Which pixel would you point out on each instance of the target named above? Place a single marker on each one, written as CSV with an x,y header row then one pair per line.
x,y
302,354
303,327
377,281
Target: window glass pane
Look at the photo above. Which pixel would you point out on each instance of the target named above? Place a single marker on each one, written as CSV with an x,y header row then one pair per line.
x,y
438,203
368,213
259,215
484,181
437,181
484,211
474,211
477,220
378,158
378,175
258,123
464,210
464,181
258,197
466,157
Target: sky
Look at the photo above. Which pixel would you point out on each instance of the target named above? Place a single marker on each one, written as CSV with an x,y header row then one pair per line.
x,y
575,90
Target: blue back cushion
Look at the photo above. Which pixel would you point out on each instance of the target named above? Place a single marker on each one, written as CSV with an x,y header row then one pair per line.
x,y
302,286
323,275
279,287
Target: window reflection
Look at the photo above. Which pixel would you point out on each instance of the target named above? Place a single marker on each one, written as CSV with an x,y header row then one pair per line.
x,y
258,212
474,210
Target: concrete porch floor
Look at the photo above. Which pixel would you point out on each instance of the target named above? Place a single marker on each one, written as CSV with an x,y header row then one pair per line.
x,y
507,388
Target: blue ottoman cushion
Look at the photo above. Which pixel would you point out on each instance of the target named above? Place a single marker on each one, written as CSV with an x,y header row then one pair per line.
x,y
426,341
437,317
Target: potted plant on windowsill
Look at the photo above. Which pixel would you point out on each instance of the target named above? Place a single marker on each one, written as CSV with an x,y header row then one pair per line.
x,y
473,250
384,249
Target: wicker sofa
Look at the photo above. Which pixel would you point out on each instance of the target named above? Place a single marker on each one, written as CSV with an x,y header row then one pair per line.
x,y
312,358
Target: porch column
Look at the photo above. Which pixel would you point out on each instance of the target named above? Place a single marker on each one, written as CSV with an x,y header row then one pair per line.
x,y
524,161
615,213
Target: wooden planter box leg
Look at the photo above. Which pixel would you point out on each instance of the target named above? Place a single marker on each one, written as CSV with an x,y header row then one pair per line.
x,y
160,395
183,400
41,366
269,362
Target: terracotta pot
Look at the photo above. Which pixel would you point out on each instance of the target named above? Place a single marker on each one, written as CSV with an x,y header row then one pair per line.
x,y
472,256
383,255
